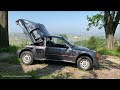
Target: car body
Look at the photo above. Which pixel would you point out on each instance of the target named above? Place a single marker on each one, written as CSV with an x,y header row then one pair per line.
x,y
57,48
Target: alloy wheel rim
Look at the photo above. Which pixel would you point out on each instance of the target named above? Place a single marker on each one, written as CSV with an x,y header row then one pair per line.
x,y
84,63
26,58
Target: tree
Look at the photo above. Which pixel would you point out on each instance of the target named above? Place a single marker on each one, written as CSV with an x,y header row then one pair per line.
x,y
4,42
92,43
110,21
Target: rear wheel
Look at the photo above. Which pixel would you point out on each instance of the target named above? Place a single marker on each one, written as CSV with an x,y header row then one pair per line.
x,y
26,57
84,63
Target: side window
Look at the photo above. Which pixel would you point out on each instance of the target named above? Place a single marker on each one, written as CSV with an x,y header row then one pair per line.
x,y
58,41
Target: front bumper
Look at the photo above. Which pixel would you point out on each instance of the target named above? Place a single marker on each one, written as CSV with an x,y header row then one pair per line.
x,y
96,63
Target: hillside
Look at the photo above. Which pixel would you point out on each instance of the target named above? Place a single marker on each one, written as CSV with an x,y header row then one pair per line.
x,y
18,39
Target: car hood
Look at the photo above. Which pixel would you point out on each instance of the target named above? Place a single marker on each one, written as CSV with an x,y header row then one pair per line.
x,y
82,48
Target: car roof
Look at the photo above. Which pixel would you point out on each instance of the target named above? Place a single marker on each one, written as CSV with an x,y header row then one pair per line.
x,y
54,36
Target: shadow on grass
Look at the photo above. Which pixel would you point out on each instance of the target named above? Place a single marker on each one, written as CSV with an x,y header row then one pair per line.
x,y
10,49
12,69
52,67
107,64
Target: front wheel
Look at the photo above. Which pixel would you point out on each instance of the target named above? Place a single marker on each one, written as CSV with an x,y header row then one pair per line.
x,y
26,57
84,63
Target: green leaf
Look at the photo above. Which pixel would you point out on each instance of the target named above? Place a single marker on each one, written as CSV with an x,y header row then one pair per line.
x,y
94,21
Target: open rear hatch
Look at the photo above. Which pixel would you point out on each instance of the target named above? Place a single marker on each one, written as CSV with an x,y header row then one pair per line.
x,y
34,30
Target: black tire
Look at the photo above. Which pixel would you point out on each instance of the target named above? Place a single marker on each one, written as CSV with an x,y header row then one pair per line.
x,y
84,59
24,56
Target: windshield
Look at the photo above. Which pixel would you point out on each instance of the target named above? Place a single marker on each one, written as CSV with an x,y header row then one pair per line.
x,y
68,42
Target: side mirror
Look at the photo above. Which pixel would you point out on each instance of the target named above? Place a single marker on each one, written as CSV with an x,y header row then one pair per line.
x,y
66,47
17,22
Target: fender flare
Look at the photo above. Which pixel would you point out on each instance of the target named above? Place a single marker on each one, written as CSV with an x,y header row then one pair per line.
x,y
26,49
84,54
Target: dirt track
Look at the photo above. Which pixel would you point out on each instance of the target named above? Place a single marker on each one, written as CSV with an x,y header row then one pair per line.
x,y
109,69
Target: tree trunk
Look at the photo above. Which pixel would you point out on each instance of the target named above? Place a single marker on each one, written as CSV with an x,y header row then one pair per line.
x,y
110,28
4,41
110,41
110,37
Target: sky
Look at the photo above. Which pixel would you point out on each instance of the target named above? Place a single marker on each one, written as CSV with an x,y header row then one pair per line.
x,y
69,22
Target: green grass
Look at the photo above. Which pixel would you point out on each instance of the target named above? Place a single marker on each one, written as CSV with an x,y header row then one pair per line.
x,y
11,48
10,59
32,74
100,46
108,52
57,75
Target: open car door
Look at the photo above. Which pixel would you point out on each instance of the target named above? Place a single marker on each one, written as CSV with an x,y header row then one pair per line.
x,y
34,30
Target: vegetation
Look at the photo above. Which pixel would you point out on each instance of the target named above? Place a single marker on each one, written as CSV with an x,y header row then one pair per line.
x,y
57,75
109,20
64,35
118,48
96,43
10,65
99,45
109,52
92,43
12,60
11,48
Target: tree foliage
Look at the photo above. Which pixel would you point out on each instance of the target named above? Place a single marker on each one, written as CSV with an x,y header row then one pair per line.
x,y
107,19
95,21
92,43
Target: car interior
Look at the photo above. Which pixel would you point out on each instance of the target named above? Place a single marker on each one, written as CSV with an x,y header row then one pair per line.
x,y
51,43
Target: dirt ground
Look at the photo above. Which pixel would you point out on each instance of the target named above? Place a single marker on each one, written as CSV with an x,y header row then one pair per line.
x,y
109,69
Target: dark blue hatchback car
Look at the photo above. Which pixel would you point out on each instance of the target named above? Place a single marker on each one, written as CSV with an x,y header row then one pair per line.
x,y
57,48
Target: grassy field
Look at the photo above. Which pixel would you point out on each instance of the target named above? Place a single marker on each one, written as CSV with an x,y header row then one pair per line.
x,y
11,68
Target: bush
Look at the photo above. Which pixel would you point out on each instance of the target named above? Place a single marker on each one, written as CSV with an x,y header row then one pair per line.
x,y
92,43
118,48
83,43
12,59
11,48
108,52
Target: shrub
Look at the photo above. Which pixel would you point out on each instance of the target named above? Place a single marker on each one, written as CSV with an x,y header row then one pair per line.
x,y
81,43
108,52
118,48
92,43
11,48
12,59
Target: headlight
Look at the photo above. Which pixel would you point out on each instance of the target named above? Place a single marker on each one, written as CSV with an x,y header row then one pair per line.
x,y
97,55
